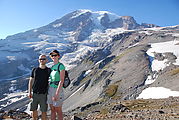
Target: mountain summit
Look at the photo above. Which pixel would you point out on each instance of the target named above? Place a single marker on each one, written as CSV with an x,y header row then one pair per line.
x,y
96,20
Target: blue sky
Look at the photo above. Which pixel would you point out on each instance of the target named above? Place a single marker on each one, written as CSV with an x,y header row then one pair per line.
x,y
22,15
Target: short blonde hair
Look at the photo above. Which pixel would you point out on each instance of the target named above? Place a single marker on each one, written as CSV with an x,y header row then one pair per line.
x,y
42,55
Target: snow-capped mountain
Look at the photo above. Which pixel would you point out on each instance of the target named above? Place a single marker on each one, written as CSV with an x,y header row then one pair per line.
x,y
75,35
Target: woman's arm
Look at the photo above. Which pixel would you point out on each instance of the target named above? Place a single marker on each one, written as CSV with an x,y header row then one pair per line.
x,y
62,77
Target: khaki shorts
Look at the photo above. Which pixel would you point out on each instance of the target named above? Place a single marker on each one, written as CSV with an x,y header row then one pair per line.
x,y
39,99
51,93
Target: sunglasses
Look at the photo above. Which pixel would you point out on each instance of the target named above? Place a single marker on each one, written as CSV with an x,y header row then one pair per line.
x,y
54,55
42,59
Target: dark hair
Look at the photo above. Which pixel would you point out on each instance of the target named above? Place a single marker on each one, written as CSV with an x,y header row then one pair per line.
x,y
55,51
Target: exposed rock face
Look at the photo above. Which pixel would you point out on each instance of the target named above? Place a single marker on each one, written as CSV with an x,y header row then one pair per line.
x,y
129,23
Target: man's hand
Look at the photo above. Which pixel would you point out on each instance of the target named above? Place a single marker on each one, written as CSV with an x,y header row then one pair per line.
x,y
30,95
31,81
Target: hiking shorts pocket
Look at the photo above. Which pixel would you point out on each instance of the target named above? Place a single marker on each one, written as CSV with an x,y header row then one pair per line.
x,y
39,99
51,93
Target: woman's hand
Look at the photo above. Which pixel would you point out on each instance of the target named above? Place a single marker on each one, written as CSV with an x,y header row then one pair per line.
x,y
55,97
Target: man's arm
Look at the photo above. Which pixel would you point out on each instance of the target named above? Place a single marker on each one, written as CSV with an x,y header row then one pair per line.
x,y
31,81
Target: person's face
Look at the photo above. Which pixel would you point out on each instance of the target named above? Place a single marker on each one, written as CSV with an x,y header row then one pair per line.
x,y
42,60
54,56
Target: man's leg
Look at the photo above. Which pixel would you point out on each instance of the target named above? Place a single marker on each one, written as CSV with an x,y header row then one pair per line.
x,y
34,106
44,116
43,105
35,115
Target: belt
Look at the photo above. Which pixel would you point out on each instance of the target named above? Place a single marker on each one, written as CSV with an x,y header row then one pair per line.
x,y
55,82
40,92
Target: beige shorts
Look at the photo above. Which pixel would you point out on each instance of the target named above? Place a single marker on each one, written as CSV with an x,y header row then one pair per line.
x,y
51,93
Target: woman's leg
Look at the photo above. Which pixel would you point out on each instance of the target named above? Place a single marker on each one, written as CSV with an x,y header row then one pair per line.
x,y
59,112
53,112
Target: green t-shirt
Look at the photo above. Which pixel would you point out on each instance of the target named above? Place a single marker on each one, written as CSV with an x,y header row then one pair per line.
x,y
55,75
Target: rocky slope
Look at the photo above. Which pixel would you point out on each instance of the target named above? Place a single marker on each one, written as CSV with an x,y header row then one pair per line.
x,y
123,66
141,109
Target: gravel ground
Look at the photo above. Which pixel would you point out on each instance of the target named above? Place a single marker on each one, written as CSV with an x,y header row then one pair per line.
x,y
149,109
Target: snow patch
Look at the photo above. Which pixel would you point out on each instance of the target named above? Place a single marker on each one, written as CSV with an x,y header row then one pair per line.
x,y
11,58
57,25
173,34
157,92
163,47
21,67
13,97
87,72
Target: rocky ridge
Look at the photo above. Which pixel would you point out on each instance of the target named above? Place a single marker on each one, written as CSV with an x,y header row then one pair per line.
x,y
140,109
